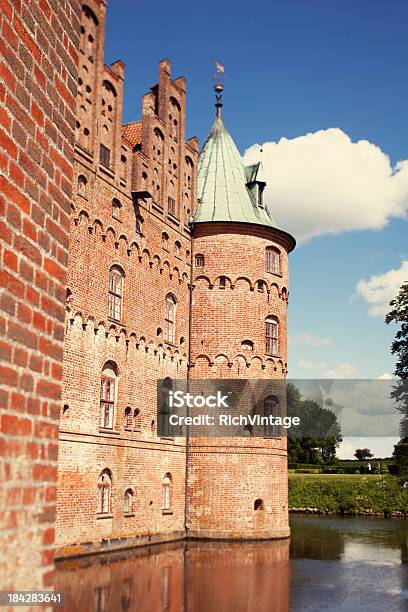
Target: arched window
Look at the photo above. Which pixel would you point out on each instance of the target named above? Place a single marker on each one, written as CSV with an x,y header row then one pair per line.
x,y
174,119
258,504
108,394
165,240
177,247
272,260
271,409
82,185
166,493
170,318
116,209
116,277
272,336
157,144
128,502
104,492
137,420
128,419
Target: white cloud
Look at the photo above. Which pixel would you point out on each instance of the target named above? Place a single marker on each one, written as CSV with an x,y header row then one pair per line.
x,y
380,289
323,183
309,365
384,376
342,370
308,339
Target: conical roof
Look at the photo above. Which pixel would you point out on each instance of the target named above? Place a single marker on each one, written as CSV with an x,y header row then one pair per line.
x,y
223,194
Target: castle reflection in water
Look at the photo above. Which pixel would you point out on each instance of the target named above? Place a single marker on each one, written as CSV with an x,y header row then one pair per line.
x,y
178,577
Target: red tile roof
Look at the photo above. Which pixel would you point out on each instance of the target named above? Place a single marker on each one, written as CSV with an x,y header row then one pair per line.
x,y
133,132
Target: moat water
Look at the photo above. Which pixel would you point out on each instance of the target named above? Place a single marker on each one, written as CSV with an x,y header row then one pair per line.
x,y
330,563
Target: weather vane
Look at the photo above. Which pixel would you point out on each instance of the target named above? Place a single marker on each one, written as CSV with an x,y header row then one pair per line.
x,y
219,86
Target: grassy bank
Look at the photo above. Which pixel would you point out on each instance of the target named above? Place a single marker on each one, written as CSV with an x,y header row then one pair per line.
x,y
347,494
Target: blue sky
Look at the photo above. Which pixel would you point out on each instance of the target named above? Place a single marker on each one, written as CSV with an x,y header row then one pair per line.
x,y
294,68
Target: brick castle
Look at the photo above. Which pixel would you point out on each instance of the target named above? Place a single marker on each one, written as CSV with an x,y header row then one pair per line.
x,y
173,268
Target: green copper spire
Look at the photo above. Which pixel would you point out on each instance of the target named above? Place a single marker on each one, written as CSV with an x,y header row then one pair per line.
x,y
227,191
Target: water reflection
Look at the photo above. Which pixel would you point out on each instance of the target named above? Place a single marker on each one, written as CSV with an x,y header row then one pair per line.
x,y
336,564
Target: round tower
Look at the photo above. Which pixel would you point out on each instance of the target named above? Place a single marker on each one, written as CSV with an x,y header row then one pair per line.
x,y
237,487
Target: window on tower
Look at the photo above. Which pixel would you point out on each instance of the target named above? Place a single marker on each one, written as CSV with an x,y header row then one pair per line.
x,y
272,260
116,277
272,336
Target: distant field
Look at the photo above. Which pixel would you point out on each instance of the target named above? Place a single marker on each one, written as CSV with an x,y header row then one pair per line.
x,y
345,493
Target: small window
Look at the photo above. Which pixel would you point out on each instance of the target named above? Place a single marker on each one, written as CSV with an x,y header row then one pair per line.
x,y
165,240
171,205
247,430
177,248
166,498
137,420
108,395
170,319
272,336
123,166
273,260
260,196
199,260
128,502
105,156
258,504
82,185
104,492
116,209
139,224
223,282
115,293
128,419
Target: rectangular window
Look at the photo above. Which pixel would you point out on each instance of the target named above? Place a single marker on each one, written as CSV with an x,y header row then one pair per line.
x,y
115,295
271,409
105,156
171,205
199,261
169,320
272,261
166,497
103,499
101,599
107,402
271,337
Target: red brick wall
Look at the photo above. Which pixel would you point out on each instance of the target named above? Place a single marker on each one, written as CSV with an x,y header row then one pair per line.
x,y
136,344
227,475
38,74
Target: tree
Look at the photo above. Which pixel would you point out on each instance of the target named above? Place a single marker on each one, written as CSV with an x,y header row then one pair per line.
x,y
399,314
363,453
400,455
320,432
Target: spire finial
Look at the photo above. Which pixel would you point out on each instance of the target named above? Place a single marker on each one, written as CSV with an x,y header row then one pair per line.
x,y
218,86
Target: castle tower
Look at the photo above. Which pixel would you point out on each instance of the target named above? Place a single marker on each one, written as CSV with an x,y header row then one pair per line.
x,y
237,487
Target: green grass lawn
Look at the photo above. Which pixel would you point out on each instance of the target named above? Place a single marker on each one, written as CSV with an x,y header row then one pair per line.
x,y
347,493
